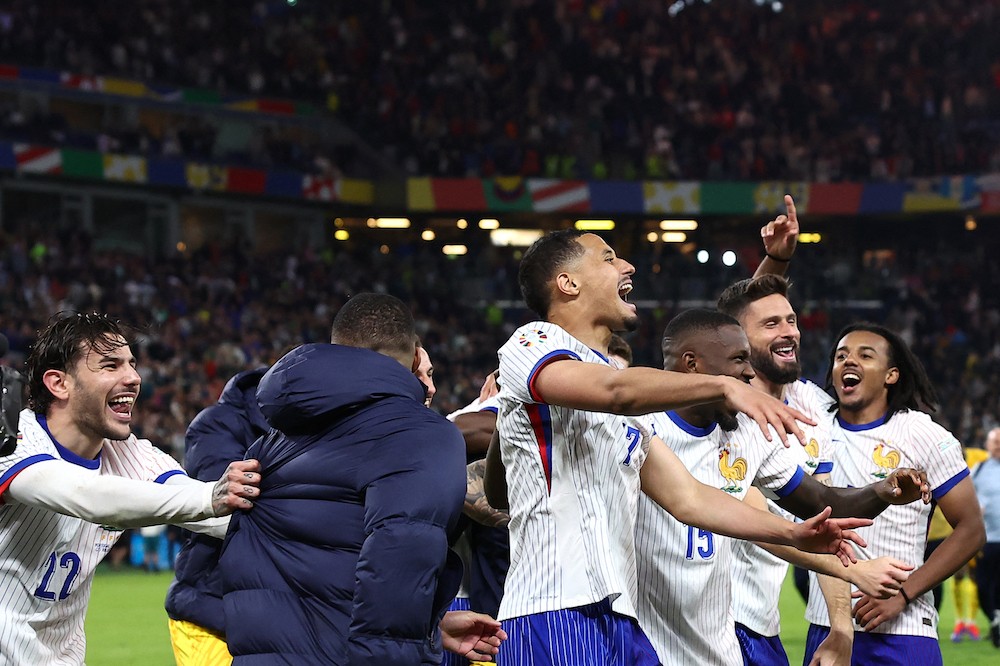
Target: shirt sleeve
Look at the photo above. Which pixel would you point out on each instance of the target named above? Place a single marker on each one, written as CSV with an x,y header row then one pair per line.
x,y
941,453
62,487
27,452
530,349
778,470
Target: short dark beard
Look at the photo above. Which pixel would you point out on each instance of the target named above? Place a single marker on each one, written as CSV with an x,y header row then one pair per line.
x,y
764,365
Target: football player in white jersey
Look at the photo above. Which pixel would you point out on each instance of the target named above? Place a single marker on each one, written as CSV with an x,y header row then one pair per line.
x,y
881,390
77,478
573,441
684,573
761,305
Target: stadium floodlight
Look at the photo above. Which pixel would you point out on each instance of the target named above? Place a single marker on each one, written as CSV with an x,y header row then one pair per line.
x,y
702,256
652,236
808,237
674,236
515,237
462,224
595,225
428,234
392,223
341,234
678,225
729,258
455,250
489,223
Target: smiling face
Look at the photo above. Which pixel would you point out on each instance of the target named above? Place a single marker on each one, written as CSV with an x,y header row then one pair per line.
x,y
604,281
101,389
773,330
862,373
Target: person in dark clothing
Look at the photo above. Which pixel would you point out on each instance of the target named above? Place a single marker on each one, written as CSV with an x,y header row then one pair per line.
x,y
219,434
346,559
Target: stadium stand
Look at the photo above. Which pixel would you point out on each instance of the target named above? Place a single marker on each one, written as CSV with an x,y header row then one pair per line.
x,y
874,90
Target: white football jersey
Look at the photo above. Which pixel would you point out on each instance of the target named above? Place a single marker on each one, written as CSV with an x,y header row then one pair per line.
x,y
758,575
573,486
47,560
867,453
684,594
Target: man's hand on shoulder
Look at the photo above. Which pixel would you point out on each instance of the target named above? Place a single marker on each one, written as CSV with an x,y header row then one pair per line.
x,y
238,484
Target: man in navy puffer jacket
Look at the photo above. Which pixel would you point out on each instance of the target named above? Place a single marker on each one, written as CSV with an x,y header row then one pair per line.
x,y
345,558
220,434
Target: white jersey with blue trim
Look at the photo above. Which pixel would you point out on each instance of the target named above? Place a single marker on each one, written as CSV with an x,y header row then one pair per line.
x,y
867,453
758,575
684,593
573,486
47,559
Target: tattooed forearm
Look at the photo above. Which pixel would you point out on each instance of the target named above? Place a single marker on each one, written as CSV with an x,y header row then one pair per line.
x,y
476,506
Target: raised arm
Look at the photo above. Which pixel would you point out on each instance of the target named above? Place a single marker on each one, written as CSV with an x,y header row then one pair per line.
x,y
780,237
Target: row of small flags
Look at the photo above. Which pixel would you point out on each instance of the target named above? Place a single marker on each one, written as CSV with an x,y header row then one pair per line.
x,y
516,194
167,172
112,85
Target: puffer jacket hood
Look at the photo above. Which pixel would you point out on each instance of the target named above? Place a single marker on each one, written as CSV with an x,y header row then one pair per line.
x,y
300,389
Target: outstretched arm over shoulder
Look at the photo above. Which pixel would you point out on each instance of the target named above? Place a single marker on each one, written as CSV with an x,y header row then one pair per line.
x,y
65,488
635,391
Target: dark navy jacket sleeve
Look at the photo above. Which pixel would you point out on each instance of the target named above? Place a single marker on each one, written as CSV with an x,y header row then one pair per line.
x,y
413,497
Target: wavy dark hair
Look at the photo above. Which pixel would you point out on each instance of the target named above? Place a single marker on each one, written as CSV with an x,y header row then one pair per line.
x,y
913,389
66,338
738,297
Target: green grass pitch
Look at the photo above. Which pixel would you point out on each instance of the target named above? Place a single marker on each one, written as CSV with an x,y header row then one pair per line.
x,y
126,624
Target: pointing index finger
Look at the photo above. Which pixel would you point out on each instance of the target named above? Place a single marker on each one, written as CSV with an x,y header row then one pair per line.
x,y
790,208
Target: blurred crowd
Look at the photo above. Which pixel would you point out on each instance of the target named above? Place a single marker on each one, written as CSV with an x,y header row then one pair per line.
x,y
204,315
579,88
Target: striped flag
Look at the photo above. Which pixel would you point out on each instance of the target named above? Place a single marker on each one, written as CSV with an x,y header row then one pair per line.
x,y
37,159
548,194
